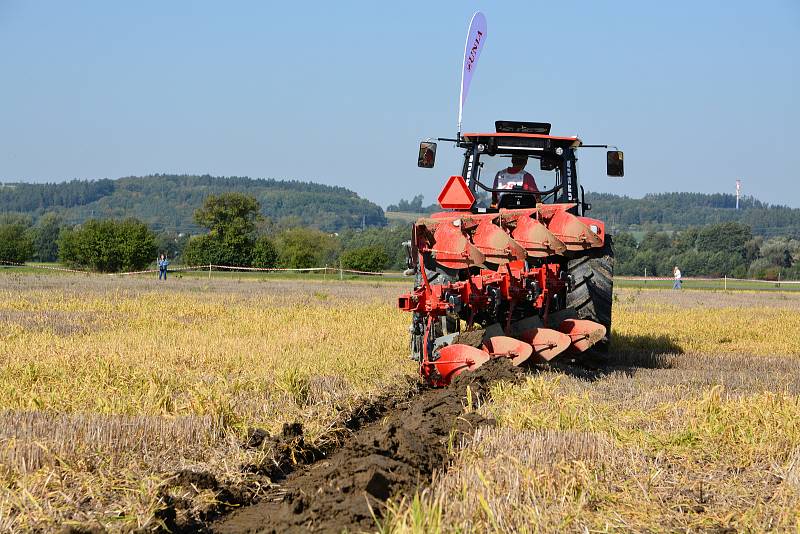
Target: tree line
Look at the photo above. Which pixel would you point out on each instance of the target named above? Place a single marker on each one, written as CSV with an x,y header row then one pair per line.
x,y
166,203
678,211
670,212
234,232
725,249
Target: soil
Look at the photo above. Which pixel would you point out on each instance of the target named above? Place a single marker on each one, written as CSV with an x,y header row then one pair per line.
x,y
473,338
392,457
290,452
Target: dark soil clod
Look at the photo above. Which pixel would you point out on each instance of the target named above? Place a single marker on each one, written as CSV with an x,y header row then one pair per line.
x,y
290,453
392,457
255,437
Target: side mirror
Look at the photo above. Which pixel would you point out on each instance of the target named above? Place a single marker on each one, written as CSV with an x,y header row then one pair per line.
x,y
614,164
427,155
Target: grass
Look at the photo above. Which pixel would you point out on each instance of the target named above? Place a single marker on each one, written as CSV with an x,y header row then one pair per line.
x,y
48,269
698,429
397,277
714,285
110,386
40,268
674,458
388,277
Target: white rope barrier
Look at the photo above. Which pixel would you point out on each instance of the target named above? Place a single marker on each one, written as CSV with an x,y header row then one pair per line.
x,y
262,269
48,267
201,268
335,270
703,279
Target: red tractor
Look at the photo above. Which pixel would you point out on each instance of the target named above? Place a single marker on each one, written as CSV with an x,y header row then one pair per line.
x,y
522,274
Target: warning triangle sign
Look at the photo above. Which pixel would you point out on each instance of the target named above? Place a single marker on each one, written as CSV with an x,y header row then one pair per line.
x,y
456,195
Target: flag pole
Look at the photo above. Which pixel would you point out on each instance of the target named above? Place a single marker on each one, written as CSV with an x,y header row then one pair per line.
x,y
476,36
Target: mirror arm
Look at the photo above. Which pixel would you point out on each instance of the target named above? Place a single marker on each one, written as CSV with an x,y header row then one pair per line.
x,y
599,146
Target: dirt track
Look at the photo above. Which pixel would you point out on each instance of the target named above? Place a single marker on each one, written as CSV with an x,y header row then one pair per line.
x,y
390,457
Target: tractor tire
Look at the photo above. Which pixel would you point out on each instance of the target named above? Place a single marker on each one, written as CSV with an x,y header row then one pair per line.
x,y
593,286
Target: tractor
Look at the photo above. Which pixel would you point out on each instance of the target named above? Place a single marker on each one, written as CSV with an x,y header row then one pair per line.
x,y
512,270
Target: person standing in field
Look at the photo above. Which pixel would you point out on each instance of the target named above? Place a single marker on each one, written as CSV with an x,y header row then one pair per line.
x,y
162,266
677,274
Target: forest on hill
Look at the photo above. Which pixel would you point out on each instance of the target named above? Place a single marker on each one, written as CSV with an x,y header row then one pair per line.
x,y
678,211
295,225
704,234
166,202
667,212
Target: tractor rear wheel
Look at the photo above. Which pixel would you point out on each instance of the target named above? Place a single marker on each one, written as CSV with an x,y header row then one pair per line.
x,y
593,286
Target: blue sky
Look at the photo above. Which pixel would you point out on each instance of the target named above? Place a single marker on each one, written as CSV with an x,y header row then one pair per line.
x,y
696,93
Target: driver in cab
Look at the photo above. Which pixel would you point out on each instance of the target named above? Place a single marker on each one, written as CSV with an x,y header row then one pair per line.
x,y
514,177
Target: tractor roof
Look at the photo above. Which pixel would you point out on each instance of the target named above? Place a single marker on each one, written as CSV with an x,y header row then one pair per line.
x,y
521,140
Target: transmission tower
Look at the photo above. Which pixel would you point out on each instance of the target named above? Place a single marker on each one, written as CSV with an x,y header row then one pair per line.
x,y
738,192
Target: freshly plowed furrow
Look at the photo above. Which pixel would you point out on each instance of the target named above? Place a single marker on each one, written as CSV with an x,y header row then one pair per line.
x,y
388,458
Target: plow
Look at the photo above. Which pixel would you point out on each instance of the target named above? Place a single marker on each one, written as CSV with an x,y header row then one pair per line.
x,y
524,274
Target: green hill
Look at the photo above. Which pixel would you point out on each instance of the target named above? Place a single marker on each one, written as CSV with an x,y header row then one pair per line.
x,y
677,211
167,202
663,212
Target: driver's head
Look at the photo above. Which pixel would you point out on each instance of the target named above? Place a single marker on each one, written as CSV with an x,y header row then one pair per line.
x,y
519,160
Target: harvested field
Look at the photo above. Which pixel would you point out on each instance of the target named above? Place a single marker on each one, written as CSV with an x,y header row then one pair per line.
x,y
128,404
111,387
682,430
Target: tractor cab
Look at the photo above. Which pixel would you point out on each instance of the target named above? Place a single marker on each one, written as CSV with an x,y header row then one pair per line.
x,y
520,165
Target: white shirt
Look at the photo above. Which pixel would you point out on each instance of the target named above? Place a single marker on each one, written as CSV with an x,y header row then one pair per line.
x,y
677,274
508,180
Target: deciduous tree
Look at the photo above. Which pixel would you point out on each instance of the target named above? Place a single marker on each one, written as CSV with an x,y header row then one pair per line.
x,y
108,245
16,244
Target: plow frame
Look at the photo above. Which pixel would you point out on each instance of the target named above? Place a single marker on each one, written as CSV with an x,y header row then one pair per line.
x,y
468,299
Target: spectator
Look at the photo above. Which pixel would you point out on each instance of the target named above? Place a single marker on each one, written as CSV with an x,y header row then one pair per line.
x,y
677,274
162,266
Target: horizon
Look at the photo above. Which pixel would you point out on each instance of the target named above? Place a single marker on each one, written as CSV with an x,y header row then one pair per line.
x,y
396,201
105,90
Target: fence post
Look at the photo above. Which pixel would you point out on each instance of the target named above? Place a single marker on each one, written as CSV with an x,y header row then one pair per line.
x,y
726,282
209,271
341,274
645,276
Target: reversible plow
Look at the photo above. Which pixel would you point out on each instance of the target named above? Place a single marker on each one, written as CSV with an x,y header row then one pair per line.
x,y
523,278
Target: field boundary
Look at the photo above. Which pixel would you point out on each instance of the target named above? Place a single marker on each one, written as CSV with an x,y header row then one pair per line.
x,y
389,274
206,268
703,279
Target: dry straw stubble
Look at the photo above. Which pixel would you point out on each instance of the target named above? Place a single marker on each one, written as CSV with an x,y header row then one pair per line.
x,y
110,386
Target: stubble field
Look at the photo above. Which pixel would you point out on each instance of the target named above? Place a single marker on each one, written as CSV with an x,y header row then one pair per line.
x,y
114,392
